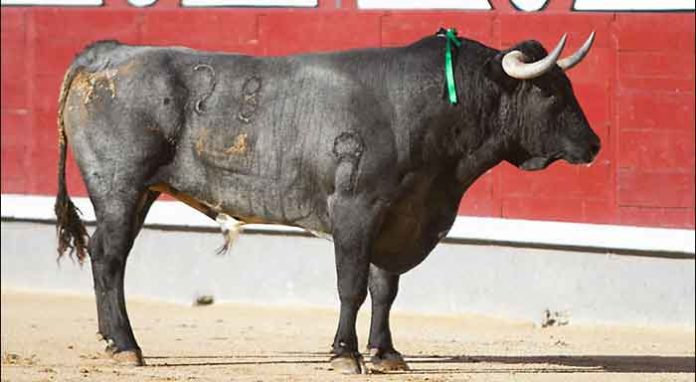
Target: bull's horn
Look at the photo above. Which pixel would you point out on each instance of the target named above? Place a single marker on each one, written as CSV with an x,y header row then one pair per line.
x,y
515,67
574,59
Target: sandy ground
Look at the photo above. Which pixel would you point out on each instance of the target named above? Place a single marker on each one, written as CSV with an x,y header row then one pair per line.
x,y
51,337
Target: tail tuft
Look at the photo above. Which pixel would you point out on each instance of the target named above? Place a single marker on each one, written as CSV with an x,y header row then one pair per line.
x,y
72,235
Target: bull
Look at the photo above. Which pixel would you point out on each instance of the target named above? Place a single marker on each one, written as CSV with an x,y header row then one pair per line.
x,y
358,145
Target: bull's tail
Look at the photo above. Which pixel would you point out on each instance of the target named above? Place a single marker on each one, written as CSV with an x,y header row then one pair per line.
x,y
72,235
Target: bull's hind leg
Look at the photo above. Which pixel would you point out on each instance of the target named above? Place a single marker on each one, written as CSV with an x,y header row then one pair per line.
x,y
383,289
122,115
119,219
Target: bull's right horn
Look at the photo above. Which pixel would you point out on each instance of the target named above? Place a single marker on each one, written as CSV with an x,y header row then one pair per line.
x,y
575,58
514,63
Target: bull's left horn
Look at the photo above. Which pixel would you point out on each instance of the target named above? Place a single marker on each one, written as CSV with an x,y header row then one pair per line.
x,y
575,58
515,67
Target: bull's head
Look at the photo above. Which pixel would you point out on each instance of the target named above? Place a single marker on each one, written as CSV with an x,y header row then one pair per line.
x,y
542,119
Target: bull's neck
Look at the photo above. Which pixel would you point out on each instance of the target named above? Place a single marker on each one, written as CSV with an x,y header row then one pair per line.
x,y
471,166
464,136
478,143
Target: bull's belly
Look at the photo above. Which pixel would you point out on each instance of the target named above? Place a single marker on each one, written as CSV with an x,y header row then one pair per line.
x,y
270,201
250,198
255,173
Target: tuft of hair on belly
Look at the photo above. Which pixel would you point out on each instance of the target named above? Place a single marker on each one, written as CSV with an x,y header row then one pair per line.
x,y
231,228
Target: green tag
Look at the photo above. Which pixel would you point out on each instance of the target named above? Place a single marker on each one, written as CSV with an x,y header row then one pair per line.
x,y
449,69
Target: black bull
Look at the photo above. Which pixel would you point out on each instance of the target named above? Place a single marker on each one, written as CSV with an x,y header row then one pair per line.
x,y
360,145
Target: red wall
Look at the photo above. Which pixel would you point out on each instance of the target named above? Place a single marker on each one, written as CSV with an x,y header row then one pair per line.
x,y
636,87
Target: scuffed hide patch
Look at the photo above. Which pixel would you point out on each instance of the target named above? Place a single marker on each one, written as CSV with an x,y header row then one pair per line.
x,y
89,83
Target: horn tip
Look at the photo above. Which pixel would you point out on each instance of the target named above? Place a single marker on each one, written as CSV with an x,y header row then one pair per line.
x,y
590,40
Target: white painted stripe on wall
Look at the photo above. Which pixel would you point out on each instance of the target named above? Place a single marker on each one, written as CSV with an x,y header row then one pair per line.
x,y
633,5
575,234
465,228
530,5
424,4
249,3
186,3
53,2
170,213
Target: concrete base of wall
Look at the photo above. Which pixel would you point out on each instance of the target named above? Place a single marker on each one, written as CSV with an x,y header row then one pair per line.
x,y
514,283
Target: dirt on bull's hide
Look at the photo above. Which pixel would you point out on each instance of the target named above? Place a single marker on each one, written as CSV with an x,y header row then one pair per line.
x,y
239,147
230,149
87,83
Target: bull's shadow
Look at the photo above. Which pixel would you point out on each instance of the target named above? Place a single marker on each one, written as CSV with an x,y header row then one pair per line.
x,y
574,363
447,364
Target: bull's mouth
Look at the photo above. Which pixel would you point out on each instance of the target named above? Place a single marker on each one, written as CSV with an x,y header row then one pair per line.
x,y
579,160
538,163
542,162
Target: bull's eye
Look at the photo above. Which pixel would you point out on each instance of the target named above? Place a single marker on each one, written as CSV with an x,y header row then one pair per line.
x,y
558,105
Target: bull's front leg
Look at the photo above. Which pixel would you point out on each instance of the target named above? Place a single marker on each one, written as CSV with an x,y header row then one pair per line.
x,y
383,289
354,223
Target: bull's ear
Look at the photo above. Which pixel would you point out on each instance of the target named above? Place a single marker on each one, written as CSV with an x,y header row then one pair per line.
x,y
493,69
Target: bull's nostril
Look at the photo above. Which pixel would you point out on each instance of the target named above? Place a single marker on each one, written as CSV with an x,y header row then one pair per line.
x,y
595,149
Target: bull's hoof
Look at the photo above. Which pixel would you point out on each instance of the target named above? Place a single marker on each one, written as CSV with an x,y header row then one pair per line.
x,y
347,363
381,362
127,357
121,357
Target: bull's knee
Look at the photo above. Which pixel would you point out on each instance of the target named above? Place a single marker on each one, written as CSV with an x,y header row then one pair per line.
x,y
383,295
353,298
108,260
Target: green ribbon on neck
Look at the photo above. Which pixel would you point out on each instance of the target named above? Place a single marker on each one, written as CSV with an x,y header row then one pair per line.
x,y
451,36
